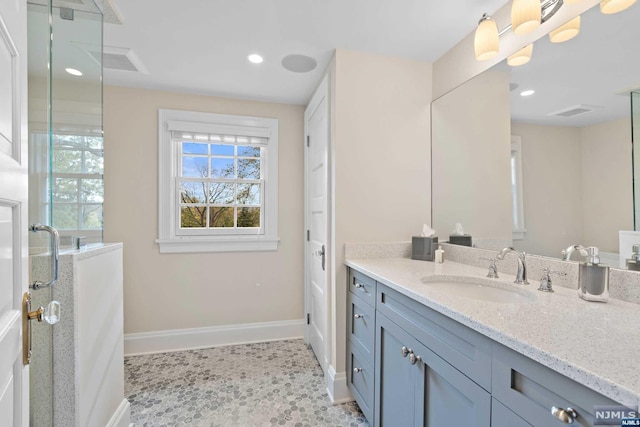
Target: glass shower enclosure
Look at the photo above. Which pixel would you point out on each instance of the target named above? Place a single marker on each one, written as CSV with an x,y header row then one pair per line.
x,y
65,158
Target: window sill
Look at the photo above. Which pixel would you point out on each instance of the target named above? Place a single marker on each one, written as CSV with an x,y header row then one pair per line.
x,y
195,245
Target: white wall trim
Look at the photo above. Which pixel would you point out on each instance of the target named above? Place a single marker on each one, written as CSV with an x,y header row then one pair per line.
x,y
122,416
214,336
337,388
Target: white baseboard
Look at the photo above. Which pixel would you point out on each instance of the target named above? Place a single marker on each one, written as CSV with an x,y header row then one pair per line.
x,y
215,336
122,416
337,388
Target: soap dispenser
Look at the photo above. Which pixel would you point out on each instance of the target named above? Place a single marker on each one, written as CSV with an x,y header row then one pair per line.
x,y
593,278
633,263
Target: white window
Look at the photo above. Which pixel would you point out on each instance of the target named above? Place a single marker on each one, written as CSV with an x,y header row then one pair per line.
x,y
218,182
75,185
519,229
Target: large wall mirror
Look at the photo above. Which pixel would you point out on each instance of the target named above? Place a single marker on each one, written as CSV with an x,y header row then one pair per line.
x,y
552,169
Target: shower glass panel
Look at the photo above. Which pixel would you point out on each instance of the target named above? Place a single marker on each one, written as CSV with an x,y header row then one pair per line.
x,y
635,138
65,158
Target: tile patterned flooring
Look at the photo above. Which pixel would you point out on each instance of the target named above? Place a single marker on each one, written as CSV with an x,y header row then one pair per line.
x,y
266,384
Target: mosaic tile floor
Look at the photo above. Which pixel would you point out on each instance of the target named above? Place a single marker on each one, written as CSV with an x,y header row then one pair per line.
x,y
267,384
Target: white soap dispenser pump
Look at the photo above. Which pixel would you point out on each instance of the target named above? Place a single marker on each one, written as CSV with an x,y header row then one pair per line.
x,y
439,258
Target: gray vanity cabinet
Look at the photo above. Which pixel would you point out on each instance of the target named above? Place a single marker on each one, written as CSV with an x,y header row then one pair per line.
x,y
501,416
415,387
361,340
531,390
409,365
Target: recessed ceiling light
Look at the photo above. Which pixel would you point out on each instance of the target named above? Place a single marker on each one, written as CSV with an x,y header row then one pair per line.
x,y
255,58
527,92
73,71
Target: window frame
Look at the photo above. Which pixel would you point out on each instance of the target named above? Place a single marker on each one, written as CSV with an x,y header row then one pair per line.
x,y
519,229
173,239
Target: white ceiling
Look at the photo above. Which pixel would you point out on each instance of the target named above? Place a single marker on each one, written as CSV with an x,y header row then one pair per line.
x,y
201,46
593,69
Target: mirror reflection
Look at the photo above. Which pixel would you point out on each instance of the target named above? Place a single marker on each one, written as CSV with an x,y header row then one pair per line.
x,y
544,150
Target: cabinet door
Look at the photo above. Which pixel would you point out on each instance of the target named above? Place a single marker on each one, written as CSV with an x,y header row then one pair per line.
x,y
396,379
447,397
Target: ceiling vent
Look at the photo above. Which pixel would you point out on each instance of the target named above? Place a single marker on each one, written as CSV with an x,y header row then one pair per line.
x,y
576,110
118,58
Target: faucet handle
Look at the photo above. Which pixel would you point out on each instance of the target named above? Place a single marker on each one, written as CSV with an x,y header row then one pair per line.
x,y
493,268
545,280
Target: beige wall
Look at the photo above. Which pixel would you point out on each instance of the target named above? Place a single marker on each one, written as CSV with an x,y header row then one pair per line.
x,y
607,190
471,152
572,179
552,187
380,129
175,291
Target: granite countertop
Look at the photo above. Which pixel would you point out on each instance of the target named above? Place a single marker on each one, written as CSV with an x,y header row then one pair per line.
x,y
595,344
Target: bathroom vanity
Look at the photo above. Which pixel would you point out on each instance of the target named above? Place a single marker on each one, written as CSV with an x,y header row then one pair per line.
x,y
425,349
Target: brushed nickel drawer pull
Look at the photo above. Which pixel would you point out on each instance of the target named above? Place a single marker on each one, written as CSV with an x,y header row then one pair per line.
x,y
567,416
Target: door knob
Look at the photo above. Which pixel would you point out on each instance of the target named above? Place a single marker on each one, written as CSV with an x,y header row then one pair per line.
x,y
358,316
50,314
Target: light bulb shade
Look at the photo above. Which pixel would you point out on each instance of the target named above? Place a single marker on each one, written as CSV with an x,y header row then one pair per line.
x,y
525,16
565,32
572,1
486,42
614,6
521,57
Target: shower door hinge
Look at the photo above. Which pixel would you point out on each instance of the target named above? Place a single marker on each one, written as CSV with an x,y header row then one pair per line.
x,y
308,318
308,235
308,140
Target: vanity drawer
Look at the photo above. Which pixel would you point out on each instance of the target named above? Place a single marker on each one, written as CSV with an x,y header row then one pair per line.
x,y
467,350
362,286
501,416
361,377
530,389
362,326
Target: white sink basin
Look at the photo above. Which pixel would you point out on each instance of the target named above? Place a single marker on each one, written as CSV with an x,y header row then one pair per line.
x,y
478,288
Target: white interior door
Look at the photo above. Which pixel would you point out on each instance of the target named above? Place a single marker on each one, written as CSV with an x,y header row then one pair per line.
x,y
316,214
14,377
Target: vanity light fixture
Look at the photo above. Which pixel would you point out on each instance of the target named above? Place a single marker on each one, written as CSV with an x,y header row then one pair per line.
x,y
521,57
565,32
525,16
528,92
523,21
73,72
486,41
614,6
254,58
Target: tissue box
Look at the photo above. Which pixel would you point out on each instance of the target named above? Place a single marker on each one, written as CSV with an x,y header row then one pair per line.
x,y
423,248
462,240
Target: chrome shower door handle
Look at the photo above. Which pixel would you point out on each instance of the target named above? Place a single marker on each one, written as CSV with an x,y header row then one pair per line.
x,y
55,254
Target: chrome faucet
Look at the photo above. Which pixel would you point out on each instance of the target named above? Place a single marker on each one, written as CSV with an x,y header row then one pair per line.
x,y
566,254
521,275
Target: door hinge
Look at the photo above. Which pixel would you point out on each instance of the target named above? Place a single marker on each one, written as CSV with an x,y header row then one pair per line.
x,y
308,140
308,318
308,235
